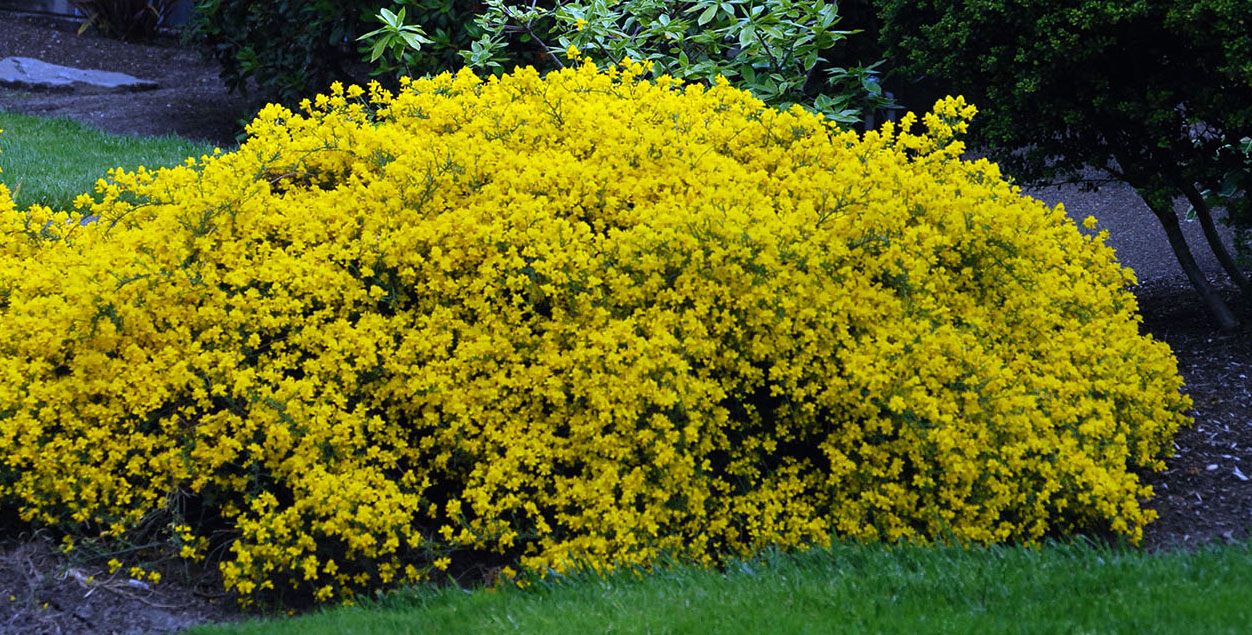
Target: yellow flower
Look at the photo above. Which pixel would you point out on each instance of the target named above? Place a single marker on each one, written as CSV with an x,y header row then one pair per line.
x,y
587,317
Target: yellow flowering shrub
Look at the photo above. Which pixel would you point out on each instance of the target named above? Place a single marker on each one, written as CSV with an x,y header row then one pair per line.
x,y
576,318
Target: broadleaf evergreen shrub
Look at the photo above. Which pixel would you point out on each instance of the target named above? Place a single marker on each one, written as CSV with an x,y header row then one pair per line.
x,y
780,50
450,27
582,318
289,49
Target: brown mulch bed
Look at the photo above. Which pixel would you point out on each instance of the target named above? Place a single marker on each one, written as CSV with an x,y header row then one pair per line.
x,y
1202,497
1205,494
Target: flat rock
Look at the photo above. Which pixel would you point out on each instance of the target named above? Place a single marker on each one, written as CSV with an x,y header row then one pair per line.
x,y
27,73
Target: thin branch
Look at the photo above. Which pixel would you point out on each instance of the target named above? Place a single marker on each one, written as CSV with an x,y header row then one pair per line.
x,y
526,25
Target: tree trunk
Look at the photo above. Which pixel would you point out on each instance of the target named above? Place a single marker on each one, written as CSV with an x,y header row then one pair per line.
x,y
1217,308
1205,214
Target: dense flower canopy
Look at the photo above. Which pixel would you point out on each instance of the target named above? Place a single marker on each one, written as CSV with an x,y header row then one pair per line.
x,y
579,318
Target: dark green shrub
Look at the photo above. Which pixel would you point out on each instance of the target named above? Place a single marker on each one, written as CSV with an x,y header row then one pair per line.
x,y
127,20
450,28
290,48
1148,92
778,49
286,47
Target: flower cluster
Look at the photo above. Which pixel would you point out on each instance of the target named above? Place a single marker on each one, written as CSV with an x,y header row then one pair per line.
x,y
582,318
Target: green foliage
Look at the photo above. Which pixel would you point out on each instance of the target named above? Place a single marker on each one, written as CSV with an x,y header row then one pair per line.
x,y
1231,193
777,49
1085,82
394,40
291,48
128,20
448,27
286,47
774,48
1148,92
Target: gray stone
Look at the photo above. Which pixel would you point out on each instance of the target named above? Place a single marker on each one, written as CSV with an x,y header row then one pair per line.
x,y
27,73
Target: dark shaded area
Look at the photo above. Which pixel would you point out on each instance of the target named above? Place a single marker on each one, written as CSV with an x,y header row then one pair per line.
x,y
191,101
43,592
1200,497
1205,494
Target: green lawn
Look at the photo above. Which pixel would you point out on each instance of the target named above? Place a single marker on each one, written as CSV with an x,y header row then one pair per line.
x,y
51,161
1070,588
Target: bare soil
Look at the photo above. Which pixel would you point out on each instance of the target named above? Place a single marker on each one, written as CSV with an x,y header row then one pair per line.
x,y
1204,496
191,101
43,591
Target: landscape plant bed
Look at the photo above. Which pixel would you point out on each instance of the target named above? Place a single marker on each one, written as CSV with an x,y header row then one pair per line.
x,y
1205,494
1203,470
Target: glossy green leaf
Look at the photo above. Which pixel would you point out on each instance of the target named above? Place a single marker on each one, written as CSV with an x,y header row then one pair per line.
x,y
707,16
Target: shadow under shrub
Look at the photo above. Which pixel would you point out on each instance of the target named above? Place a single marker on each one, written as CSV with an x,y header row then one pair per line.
x,y
578,318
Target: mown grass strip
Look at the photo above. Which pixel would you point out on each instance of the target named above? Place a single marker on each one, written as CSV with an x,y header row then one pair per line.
x,y
1056,589
52,161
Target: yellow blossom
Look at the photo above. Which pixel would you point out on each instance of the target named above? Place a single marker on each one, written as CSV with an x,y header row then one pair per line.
x,y
587,317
